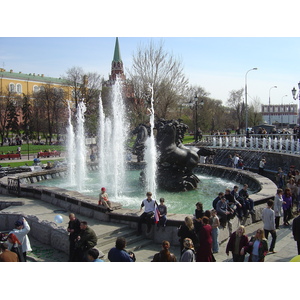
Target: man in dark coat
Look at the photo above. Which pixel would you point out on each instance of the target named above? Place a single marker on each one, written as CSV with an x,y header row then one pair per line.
x,y
296,232
74,230
86,240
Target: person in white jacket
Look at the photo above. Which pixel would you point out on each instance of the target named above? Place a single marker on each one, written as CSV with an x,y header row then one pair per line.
x,y
21,230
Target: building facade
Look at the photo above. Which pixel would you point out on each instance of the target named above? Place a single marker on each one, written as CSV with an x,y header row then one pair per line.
x,y
28,84
284,115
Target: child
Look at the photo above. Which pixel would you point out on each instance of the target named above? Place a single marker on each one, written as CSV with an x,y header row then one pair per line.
x,y
162,213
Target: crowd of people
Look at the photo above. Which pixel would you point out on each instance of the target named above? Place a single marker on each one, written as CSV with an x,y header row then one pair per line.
x,y
198,235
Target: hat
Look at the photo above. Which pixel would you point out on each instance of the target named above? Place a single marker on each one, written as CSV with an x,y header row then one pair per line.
x,y
18,223
103,189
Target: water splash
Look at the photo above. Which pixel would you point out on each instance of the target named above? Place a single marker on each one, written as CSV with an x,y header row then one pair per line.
x,y
112,137
70,149
151,154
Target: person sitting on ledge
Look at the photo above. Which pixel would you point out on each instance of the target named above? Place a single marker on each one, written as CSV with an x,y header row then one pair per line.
x,y
103,200
249,203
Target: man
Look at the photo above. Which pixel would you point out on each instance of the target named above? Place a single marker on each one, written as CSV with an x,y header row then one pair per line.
x,y
296,232
261,166
268,218
73,229
147,215
7,255
249,203
241,210
216,200
21,230
86,240
118,253
224,213
233,203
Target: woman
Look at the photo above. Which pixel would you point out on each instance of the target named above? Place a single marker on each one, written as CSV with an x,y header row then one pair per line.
x,y
236,242
188,253
164,255
215,224
204,251
199,213
16,246
287,206
187,230
257,247
278,201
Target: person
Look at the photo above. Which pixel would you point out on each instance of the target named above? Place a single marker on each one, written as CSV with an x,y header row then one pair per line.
x,y
257,247
199,213
198,135
7,255
261,166
298,197
103,200
162,209
118,253
236,242
188,252
230,161
241,209
15,246
164,255
236,160
215,223
73,229
217,199
94,255
268,218
280,178
21,230
86,240
248,202
204,250
296,232
278,201
147,215
287,206
224,213
187,230
294,189
233,203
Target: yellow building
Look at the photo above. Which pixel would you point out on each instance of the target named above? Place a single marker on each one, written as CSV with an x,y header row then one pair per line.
x,y
29,84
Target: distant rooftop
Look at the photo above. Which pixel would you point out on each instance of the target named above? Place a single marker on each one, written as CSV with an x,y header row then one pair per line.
x,y
30,76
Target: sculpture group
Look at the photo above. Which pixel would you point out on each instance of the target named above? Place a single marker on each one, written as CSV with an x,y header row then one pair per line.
x,y
176,162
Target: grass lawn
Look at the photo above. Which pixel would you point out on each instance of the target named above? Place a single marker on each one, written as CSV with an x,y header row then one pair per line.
x,y
15,163
33,149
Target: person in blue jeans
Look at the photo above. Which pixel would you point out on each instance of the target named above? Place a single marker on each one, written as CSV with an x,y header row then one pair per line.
x,y
162,213
215,231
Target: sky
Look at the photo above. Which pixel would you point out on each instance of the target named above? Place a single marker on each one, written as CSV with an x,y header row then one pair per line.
x,y
218,64
217,43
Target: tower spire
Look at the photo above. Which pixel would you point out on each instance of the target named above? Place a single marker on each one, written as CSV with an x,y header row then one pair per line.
x,y
117,64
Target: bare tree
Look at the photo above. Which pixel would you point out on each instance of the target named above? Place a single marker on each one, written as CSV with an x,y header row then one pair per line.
x,y
152,65
236,104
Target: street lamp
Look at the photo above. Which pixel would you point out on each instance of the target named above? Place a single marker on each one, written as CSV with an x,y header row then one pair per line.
x,y
195,102
282,111
295,96
275,86
246,96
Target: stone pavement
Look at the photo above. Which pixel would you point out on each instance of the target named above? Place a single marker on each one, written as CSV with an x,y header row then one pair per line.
x,y
144,249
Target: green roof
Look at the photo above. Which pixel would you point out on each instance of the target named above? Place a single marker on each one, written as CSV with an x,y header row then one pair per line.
x,y
32,77
117,53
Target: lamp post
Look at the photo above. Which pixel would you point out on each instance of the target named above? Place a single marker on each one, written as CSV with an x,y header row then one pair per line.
x,y
295,96
195,102
28,141
270,103
282,111
246,96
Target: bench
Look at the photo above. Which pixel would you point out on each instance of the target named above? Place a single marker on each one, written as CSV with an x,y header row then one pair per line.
x,y
10,156
48,154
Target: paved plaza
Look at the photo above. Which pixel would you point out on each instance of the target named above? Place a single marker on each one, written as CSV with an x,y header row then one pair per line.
x,y
285,247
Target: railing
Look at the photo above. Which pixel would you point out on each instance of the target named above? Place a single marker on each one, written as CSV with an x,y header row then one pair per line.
x,y
286,143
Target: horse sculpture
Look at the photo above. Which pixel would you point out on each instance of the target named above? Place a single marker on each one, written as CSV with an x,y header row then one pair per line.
x,y
176,162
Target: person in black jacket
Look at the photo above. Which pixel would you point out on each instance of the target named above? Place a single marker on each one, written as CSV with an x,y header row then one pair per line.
x,y
296,232
73,229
